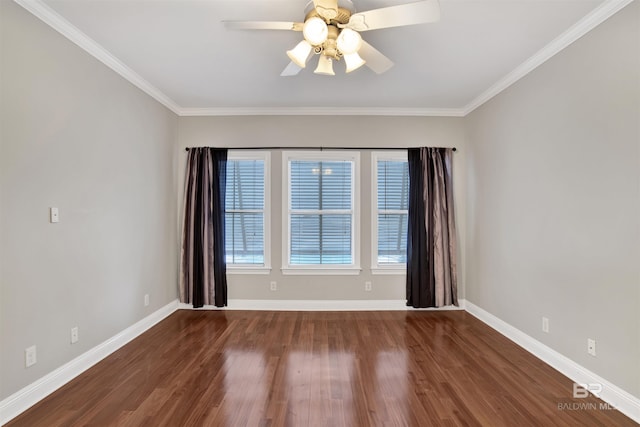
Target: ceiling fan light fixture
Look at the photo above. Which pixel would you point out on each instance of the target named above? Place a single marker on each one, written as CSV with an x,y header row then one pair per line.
x,y
300,53
315,31
349,41
353,61
325,66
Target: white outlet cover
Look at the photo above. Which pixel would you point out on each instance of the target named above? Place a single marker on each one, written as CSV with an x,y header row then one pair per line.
x,y
74,335
30,358
54,215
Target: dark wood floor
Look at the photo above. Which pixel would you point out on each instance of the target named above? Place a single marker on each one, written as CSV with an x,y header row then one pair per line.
x,y
226,368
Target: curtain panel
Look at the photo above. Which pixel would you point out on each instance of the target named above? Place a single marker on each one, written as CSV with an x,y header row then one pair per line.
x,y
203,275
431,238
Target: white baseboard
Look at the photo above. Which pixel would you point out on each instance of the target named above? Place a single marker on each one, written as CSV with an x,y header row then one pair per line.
x,y
319,305
612,394
23,399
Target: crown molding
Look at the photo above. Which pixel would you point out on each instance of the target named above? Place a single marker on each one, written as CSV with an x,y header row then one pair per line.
x,y
579,29
600,14
64,27
50,17
321,111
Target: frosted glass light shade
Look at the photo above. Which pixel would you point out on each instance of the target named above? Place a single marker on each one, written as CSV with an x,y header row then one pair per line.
x,y
300,53
315,31
325,66
353,61
349,41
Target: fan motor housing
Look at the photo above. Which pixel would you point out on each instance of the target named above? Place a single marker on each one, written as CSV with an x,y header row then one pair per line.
x,y
341,18
330,46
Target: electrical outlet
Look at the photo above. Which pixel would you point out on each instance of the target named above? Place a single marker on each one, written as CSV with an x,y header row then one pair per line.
x,y
74,335
273,286
146,300
545,325
367,286
30,356
54,215
591,347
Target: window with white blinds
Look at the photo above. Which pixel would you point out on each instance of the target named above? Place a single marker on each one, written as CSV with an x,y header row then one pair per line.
x,y
246,204
321,207
390,210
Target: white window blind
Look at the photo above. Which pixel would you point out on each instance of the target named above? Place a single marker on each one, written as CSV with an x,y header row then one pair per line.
x,y
245,212
321,212
392,211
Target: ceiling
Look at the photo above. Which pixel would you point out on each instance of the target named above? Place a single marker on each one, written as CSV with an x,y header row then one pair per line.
x,y
180,52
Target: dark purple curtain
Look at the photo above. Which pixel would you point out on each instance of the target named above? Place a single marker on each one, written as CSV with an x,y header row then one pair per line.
x,y
203,275
431,237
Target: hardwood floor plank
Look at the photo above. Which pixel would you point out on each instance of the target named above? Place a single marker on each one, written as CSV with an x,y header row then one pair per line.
x,y
224,368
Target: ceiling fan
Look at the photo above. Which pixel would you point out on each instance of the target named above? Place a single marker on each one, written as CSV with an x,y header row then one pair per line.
x,y
331,30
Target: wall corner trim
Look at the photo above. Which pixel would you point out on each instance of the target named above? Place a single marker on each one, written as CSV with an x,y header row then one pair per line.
x,y
612,394
50,17
596,17
28,396
322,111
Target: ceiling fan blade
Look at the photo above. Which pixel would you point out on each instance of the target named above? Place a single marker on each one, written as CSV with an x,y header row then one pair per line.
x,y
262,25
328,9
290,70
420,12
375,60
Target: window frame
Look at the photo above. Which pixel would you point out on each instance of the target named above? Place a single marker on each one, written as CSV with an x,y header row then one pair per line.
x,y
265,156
321,269
376,156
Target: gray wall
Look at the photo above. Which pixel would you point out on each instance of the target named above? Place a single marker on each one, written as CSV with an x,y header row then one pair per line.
x,y
77,136
548,199
553,205
314,131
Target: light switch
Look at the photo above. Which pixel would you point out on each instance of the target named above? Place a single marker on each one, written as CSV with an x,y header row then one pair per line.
x,y
53,215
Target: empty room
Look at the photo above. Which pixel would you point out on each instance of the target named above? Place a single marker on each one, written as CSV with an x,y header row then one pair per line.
x,y
319,213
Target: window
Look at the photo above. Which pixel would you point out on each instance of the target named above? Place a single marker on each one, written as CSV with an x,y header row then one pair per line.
x,y
390,212
246,213
321,221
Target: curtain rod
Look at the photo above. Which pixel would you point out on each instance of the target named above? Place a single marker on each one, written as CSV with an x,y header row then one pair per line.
x,y
322,148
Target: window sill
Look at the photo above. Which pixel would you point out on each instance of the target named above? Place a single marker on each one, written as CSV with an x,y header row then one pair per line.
x,y
248,270
389,271
333,271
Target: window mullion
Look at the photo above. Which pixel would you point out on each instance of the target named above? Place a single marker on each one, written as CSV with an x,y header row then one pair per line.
x,y
323,212
245,210
392,212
